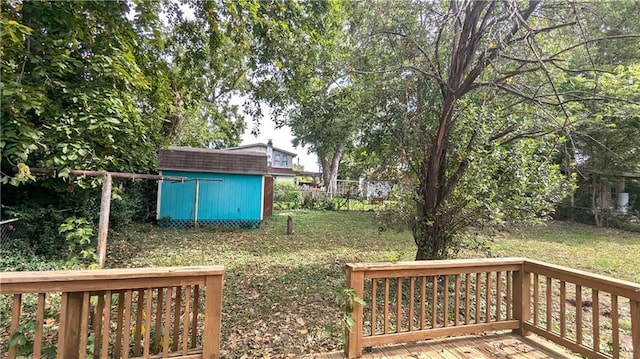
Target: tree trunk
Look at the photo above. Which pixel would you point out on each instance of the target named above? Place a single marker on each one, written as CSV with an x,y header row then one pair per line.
x,y
596,207
330,170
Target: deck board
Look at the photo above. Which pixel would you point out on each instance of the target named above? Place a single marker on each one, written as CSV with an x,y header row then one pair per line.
x,y
492,346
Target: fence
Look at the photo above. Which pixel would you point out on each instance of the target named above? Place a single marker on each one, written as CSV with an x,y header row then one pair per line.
x,y
7,230
420,300
121,313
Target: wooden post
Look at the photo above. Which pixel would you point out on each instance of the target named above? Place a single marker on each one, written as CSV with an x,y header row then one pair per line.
x,y
522,298
103,226
353,346
69,345
635,328
289,225
213,317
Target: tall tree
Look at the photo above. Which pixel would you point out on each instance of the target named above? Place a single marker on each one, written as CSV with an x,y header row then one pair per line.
x,y
474,104
71,89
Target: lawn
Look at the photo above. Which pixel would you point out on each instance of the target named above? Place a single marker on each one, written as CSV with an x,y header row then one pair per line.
x,y
282,292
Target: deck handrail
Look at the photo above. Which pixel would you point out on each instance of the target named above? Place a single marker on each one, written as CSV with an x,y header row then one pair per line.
x,y
165,300
408,301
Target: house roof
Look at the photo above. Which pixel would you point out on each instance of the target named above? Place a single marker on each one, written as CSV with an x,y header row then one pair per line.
x,y
216,161
243,147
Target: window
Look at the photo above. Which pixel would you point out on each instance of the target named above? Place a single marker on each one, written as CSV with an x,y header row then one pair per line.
x,y
281,160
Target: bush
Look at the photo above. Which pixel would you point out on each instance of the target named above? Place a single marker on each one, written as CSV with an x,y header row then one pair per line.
x,y
17,257
132,202
37,229
286,196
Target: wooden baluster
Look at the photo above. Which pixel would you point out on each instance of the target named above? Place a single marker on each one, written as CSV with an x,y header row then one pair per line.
x,y
445,300
62,345
563,309
84,325
412,283
549,304
128,297
194,320
185,324
16,310
386,306
167,324
117,350
467,298
488,299
374,304
434,301
147,322
137,337
615,329
498,295
595,311
97,326
158,325
176,318
456,303
509,279
478,291
37,341
399,306
536,304
579,314
106,325
423,303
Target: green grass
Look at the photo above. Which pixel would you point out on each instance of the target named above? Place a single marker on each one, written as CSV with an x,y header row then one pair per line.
x,y
281,295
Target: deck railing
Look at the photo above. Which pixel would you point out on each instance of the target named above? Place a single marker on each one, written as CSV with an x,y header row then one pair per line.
x,y
113,313
581,311
410,301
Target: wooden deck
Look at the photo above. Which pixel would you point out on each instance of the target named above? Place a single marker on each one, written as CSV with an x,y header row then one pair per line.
x,y
498,345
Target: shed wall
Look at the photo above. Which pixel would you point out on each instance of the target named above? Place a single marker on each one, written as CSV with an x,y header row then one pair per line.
x,y
236,201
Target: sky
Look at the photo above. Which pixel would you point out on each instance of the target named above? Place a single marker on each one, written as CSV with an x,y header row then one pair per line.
x,y
281,139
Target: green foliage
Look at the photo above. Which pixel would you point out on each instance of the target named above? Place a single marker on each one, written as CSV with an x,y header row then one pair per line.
x,y
81,249
71,90
37,229
133,201
17,258
350,300
286,192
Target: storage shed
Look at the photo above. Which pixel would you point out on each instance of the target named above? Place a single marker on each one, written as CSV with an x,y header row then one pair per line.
x,y
220,187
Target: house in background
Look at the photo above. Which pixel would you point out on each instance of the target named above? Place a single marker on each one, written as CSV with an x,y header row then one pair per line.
x,y
222,188
278,161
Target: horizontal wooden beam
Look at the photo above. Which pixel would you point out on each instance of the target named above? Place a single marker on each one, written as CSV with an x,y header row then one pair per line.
x,y
438,333
125,175
101,279
588,352
435,264
586,279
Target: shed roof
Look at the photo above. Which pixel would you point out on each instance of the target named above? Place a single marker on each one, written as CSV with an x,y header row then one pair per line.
x,y
216,161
